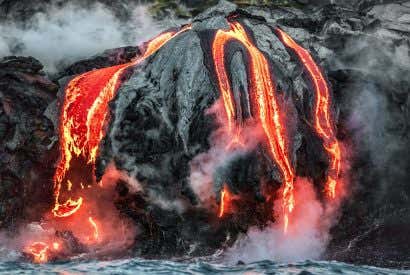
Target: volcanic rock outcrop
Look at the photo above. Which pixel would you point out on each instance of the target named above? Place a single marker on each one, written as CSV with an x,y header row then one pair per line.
x,y
162,118
27,139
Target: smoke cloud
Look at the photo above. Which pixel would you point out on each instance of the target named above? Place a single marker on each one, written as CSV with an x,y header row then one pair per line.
x,y
306,237
376,107
224,147
66,34
311,220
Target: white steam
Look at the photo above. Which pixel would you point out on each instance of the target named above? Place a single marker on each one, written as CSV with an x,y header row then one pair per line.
x,y
306,237
307,234
64,35
224,146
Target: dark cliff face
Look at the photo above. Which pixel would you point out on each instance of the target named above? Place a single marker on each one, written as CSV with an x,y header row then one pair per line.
x,y
361,53
159,124
27,140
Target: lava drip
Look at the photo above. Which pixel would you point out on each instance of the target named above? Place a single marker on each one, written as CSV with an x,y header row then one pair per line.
x,y
95,228
225,200
84,115
323,118
266,104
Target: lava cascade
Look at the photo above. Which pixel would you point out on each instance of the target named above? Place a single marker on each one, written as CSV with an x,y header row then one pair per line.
x,y
85,112
263,91
82,126
225,200
323,120
95,228
84,115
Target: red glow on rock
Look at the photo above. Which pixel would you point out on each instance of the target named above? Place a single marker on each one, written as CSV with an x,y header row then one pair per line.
x,y
323,118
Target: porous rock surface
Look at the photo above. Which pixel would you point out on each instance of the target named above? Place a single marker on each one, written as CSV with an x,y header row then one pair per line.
x,y
26,139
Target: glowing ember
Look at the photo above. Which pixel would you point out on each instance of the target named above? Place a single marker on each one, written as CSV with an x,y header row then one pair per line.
x,y
56,246
39,251
84,115
95,228
263,91
323,123
225,199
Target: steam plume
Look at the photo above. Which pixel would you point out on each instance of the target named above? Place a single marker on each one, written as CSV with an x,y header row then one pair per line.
x,y
66,34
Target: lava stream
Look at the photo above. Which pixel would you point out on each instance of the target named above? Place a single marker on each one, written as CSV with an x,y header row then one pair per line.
x,y
225,199
95,228
39,250
263,90
84,115
323,121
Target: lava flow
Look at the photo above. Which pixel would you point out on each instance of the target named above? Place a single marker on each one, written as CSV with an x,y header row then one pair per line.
x,y
95,228
225,199
266,104
39,251
84,115
83,118
323,121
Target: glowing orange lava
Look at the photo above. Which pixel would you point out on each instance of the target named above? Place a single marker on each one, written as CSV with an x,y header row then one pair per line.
x,y
68,208
95,228
323,123
225,199
39,250
84,115
56,246
218,52
263,91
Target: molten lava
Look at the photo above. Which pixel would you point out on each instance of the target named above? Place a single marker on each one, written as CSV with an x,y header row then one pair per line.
x,y
263,91
323,119
83,119
84,115
39,250
68,208
56,246
225,199
95,228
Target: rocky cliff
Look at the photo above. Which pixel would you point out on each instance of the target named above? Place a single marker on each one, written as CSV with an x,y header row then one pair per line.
x,y
160,123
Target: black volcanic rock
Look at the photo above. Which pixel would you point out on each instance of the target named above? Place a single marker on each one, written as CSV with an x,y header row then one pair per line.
x,y
26,140
107,58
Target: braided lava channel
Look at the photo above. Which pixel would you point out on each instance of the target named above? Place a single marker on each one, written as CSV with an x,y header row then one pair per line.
x,y
272,116
264,101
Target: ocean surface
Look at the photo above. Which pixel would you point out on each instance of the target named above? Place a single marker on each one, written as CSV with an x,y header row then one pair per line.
x,y
140,266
